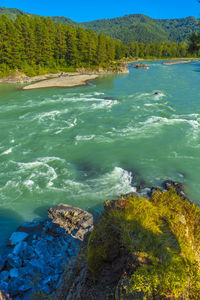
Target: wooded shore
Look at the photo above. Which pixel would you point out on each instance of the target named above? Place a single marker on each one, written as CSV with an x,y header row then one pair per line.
x,y
63,79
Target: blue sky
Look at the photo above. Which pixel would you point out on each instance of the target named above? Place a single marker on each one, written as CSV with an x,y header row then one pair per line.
x,y
86,10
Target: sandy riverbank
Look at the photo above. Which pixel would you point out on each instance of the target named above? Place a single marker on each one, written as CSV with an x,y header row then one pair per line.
x,y
63,81
177,62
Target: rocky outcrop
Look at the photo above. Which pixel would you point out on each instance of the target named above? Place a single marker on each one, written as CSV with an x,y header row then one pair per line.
x,y
140,248
142,66
40,252
75,221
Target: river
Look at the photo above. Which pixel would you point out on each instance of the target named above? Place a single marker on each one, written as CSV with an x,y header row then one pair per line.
x,y
84,145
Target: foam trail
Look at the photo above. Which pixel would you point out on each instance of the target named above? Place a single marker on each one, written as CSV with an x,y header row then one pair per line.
x,y
7,152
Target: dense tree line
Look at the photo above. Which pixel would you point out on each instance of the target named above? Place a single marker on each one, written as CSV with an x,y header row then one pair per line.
x,y
194,44
37,41
32,43
158,50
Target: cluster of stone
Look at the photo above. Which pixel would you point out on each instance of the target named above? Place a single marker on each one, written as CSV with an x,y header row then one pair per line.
x,y
40,252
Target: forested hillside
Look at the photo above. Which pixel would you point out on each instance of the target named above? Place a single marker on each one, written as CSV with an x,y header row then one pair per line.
x,y
33,43
11,12
131,28
141,28
37,45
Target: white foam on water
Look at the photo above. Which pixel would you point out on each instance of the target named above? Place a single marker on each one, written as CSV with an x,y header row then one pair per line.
x,y
6,152
113,183
67,125
64,125
194,134
150,104
51,158
151,95
85,137
159,96
50,115
24,116
160,121
75,186
98,94
104,104
159,105
153,125
116,182
30,184
103,139
73,123
40,168
84,95
143,95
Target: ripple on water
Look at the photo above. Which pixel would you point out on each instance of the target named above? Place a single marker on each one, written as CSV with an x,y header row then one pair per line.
x,y
53,128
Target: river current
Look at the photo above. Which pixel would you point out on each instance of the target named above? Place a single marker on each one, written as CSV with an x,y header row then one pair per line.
x,y
84,145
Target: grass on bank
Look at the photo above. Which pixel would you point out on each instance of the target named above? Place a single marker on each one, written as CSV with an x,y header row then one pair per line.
x,y
163,232
35,70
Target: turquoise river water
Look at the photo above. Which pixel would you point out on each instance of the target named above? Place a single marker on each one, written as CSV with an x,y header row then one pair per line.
x,y
84,145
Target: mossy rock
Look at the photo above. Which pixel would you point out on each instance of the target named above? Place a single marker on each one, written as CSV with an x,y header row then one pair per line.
x,y
160,238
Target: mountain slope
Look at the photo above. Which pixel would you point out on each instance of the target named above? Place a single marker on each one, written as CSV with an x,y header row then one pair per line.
x,y
129,28
64,20
142,28
11,12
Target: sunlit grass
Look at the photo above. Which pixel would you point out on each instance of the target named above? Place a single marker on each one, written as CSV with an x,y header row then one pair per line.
x,y
164,231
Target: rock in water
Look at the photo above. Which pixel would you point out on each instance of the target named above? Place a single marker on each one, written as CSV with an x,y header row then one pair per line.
x,y
17,237
41,252
74,220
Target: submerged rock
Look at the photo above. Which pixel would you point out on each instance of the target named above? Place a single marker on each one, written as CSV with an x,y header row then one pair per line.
x,y
179,187
17,237
41,251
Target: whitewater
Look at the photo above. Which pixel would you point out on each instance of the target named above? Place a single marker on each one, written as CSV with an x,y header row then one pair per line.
x,y
84,145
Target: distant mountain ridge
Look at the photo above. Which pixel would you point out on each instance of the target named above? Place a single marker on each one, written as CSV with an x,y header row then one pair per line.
x,y
12,12
142,28
130,28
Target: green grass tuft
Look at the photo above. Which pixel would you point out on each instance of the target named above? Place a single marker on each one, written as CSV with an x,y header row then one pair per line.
x,y
164,233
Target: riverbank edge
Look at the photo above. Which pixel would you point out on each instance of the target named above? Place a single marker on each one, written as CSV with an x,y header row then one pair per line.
x,y
105,268
21,78
70,223
116,68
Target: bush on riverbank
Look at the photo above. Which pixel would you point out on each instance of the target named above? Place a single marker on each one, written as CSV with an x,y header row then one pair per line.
x,y
160,238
